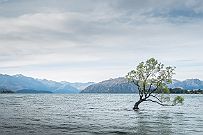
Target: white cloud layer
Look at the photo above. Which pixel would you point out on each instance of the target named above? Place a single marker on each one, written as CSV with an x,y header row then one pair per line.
x,y
92,40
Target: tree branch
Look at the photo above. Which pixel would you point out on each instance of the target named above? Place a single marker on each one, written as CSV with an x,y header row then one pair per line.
x,y
156,98
144,85
140,93
148,91
158,83
159,102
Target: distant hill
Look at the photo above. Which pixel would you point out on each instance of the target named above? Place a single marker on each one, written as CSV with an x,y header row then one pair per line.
x,y
59,87
64,87
118,85
3,90
188,84
21,83
32,91
79,85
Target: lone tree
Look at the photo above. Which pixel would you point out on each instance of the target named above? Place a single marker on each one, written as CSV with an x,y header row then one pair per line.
x,y
151,79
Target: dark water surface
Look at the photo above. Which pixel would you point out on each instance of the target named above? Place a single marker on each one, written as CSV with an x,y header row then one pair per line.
x,y
86,114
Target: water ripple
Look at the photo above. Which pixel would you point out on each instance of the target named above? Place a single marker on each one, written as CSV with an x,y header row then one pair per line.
x,y
91,114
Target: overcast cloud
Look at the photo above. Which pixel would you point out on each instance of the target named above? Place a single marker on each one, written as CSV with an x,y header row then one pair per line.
x,y
93,40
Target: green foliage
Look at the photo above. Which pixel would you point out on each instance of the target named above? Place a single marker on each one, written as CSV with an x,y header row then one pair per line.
x,y
151,75
164,98
178,100
166,90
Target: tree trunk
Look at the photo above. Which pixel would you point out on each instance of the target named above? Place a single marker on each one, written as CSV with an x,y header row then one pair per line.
x,y
137,104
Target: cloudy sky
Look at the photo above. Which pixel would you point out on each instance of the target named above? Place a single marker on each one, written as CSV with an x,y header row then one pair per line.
x,y
94,40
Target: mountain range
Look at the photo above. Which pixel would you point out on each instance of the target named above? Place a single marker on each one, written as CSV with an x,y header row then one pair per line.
x,y
121,85
22,84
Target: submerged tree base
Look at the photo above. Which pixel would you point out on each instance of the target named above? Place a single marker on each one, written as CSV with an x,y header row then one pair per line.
x,y
135,108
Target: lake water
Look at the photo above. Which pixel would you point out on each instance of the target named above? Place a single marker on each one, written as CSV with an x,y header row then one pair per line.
x,y
89,114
